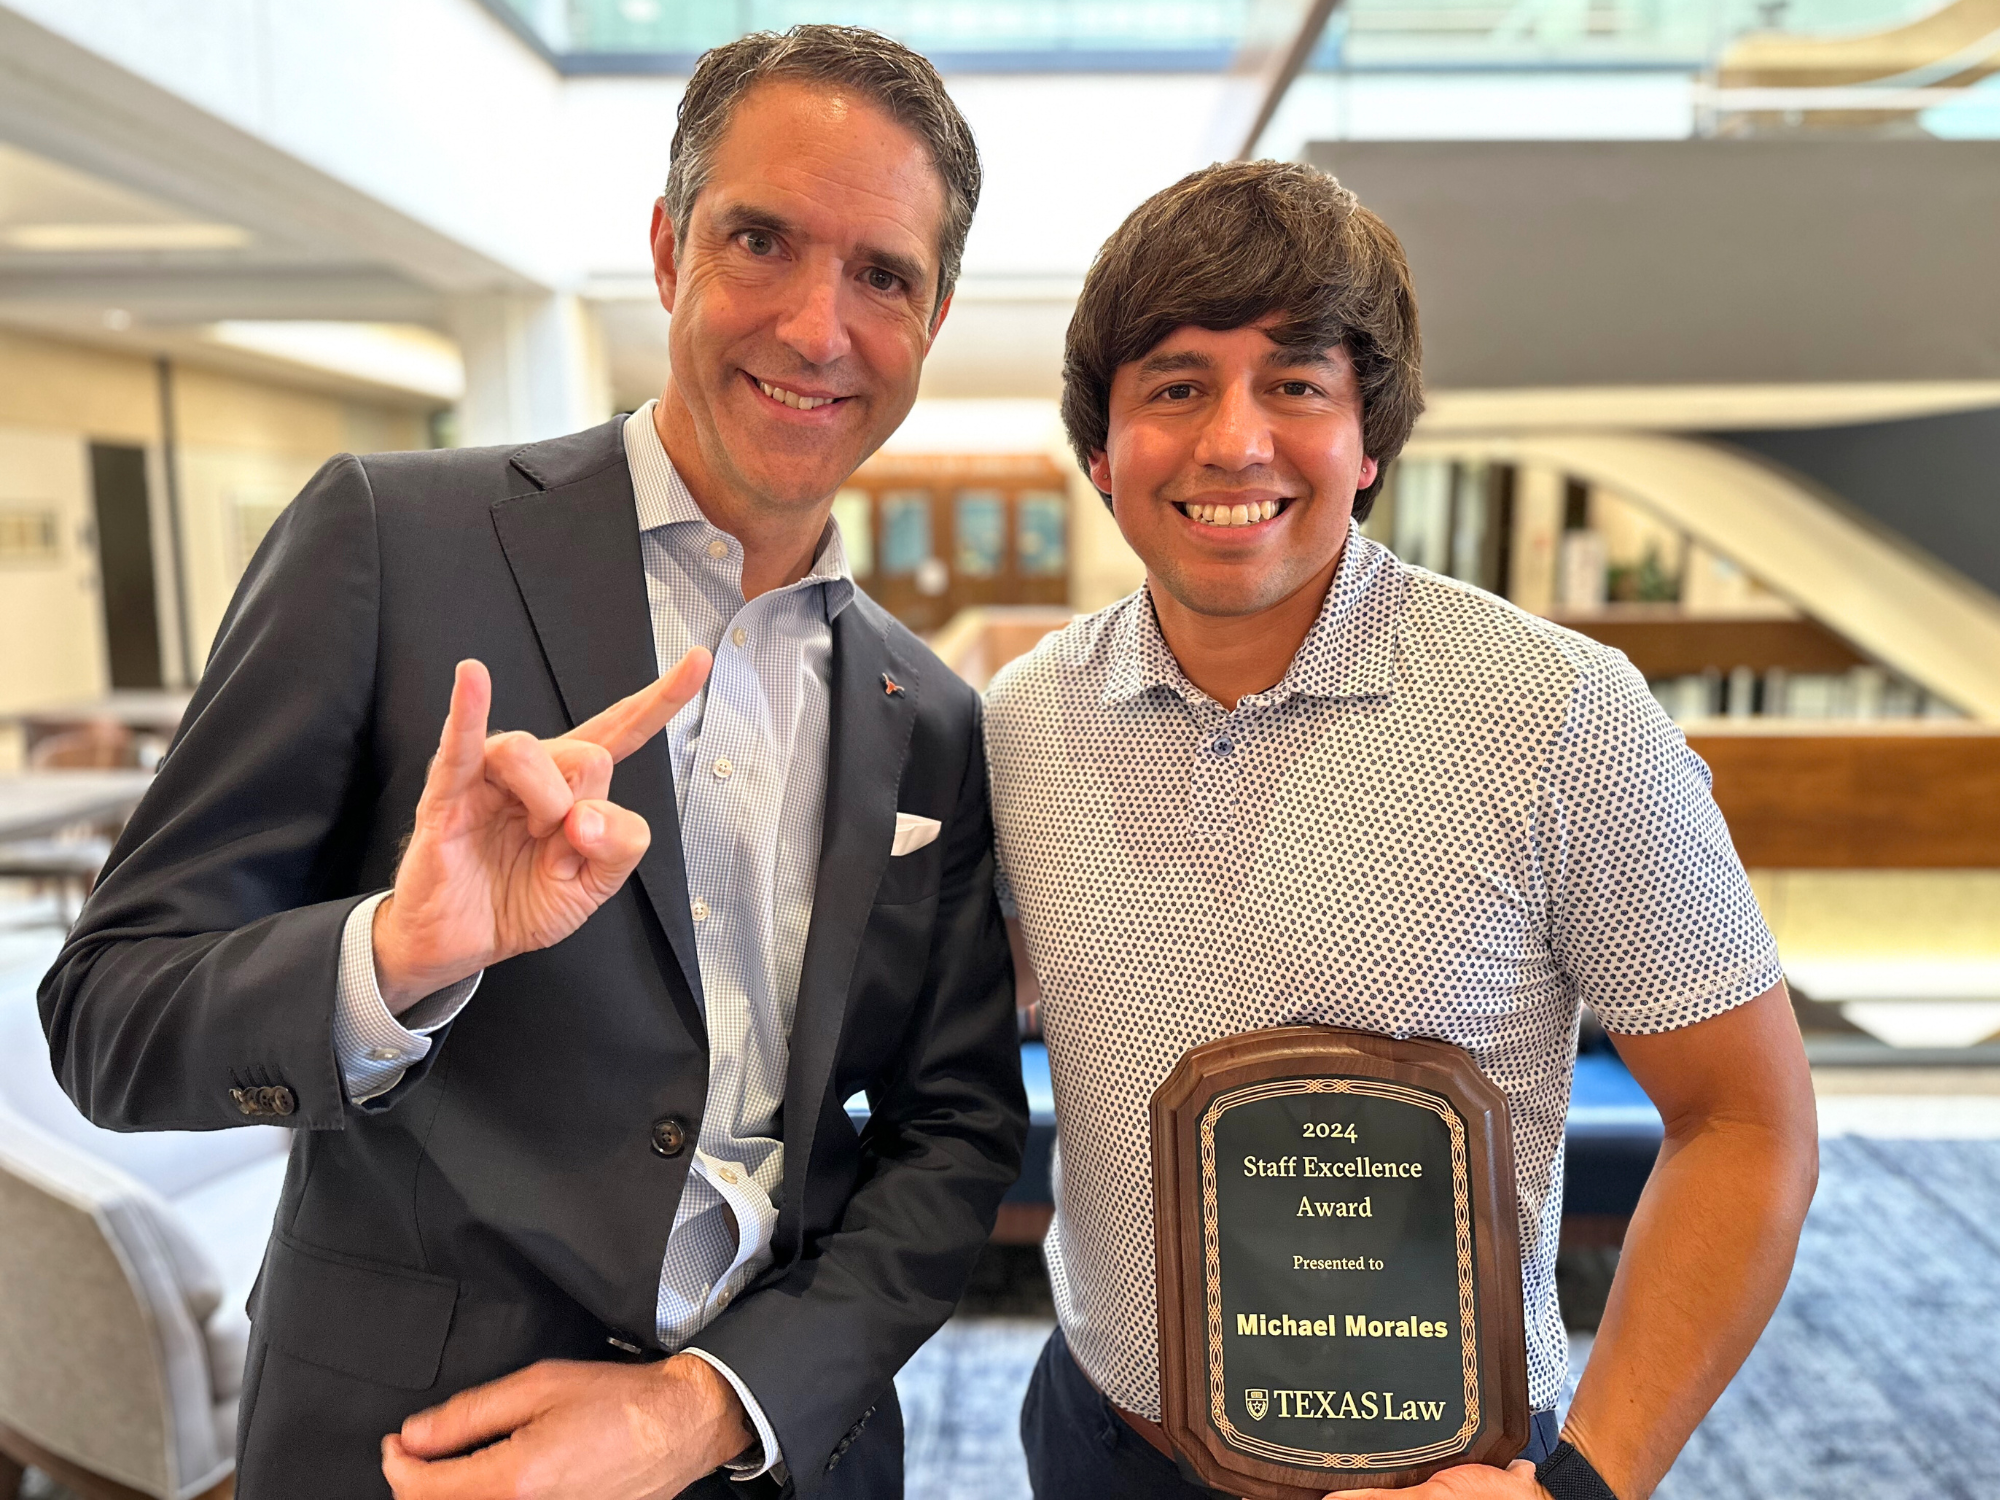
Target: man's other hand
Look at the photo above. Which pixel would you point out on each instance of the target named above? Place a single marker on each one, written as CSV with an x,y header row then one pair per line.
x,y
515,845
560,1430
1466,1482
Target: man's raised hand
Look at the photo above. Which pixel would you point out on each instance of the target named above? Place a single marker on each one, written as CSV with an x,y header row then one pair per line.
x,y
515,844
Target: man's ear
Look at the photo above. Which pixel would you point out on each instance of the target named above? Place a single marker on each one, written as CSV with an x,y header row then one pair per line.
x,y
937,320
665,272
1369,469
1100,471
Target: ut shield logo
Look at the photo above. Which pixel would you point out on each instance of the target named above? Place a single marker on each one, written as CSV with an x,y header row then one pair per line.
x,y
1256,1401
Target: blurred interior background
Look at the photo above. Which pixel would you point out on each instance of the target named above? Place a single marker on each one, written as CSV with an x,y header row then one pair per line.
x,y
1712,334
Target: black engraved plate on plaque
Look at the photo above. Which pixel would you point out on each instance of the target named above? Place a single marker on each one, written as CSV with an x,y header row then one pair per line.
x,y
1340,1296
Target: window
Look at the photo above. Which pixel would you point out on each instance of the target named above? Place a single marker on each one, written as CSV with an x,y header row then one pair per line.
x,y
1042,539
852,514
979,527
906,530
1423,514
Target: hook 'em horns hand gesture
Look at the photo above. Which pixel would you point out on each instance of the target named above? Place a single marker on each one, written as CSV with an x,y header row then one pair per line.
x,y
515,842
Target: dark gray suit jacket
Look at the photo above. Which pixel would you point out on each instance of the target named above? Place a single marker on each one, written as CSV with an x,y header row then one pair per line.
x,y
508,1200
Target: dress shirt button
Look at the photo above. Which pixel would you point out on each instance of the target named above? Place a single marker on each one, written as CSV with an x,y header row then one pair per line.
x,y
383,1054
727,1174
1223,745
670,1136
738,637
699,909
723,769
718,549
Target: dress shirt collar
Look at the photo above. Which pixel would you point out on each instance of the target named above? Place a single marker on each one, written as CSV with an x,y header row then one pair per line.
x,y
1350,651
664,500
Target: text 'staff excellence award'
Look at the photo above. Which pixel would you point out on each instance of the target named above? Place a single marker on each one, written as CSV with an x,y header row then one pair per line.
x,y
1339,1267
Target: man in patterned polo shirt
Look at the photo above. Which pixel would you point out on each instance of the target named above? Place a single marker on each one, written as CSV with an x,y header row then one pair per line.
x,y
1296,780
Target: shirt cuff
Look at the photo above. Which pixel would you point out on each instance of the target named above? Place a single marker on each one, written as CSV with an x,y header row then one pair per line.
x,y
751,1464
372,1047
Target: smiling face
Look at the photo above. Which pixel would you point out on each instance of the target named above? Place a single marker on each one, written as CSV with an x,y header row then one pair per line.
x,y
1232,464
802,297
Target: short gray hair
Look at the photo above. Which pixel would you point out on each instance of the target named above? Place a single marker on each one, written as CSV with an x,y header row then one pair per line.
x,y
900,82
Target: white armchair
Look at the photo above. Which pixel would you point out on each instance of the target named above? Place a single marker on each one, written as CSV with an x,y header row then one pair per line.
x,y
125,1262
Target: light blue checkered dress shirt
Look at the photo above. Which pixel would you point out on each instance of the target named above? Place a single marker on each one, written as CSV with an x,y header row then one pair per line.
x,y
749,760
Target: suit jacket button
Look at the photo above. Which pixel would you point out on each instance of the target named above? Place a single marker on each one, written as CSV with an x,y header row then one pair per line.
x,y
279,1100
670,1136
247,1101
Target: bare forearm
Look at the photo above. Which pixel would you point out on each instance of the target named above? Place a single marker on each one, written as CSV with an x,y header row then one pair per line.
x,y
1705,1261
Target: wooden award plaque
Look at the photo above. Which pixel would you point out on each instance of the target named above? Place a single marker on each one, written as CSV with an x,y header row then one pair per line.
x,y
1339,1267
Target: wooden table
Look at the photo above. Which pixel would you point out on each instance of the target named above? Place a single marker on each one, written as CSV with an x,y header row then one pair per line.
x,y
34,804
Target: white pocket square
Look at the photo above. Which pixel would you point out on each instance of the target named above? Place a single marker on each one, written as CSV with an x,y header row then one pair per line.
x,y
913,832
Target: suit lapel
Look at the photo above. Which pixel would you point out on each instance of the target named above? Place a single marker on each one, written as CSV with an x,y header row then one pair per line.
x,y
867,743
573,547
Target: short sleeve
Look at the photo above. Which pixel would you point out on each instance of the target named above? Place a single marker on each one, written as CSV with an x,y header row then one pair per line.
x,y
1650,913
1003,888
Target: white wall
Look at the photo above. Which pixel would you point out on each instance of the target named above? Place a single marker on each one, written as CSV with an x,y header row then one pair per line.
x,y
431,107
1068,156
51,624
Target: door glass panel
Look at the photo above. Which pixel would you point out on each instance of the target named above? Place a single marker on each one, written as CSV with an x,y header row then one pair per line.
x,y
1423,514
980,532
1042,540
906,530
857,530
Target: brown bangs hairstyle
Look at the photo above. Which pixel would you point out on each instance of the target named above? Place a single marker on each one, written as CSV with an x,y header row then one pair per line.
x,y
1227,246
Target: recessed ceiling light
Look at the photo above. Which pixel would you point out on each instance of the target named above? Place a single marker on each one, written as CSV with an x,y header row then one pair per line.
x,y
48,238
117,319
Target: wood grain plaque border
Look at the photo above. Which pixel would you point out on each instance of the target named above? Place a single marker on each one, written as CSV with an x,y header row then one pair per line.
x,y
1222,1074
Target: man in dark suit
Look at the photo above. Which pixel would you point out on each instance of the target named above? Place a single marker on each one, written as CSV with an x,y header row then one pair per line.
x,y
504,1207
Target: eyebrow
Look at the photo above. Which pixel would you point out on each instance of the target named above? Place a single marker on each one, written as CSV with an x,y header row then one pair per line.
x,y
1174,360
1300,356
737,217
1282,357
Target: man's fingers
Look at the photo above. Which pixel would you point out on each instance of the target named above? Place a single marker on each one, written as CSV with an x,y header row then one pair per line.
x,y
477,1415
522,765
585,766
630,722
485,1475
609,839
461,756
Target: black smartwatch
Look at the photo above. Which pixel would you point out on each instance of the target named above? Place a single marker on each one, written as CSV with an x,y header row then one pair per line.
x,y
1567,1475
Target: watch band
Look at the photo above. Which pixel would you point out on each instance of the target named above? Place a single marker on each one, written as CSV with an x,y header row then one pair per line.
x,y
1568,1475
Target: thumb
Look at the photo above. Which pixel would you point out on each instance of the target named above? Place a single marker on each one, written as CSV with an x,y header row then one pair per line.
x,y
610,838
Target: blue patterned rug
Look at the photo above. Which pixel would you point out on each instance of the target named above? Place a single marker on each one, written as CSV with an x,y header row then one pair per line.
x,y
1875,1377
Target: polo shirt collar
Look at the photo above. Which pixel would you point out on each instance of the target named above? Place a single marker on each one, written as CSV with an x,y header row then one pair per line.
x,y
1350,652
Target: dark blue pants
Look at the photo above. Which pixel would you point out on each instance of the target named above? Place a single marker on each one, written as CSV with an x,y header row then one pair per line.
x,y
1079,1448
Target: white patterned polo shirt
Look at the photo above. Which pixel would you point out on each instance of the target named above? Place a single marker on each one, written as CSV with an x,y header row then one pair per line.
x,y
1451,820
